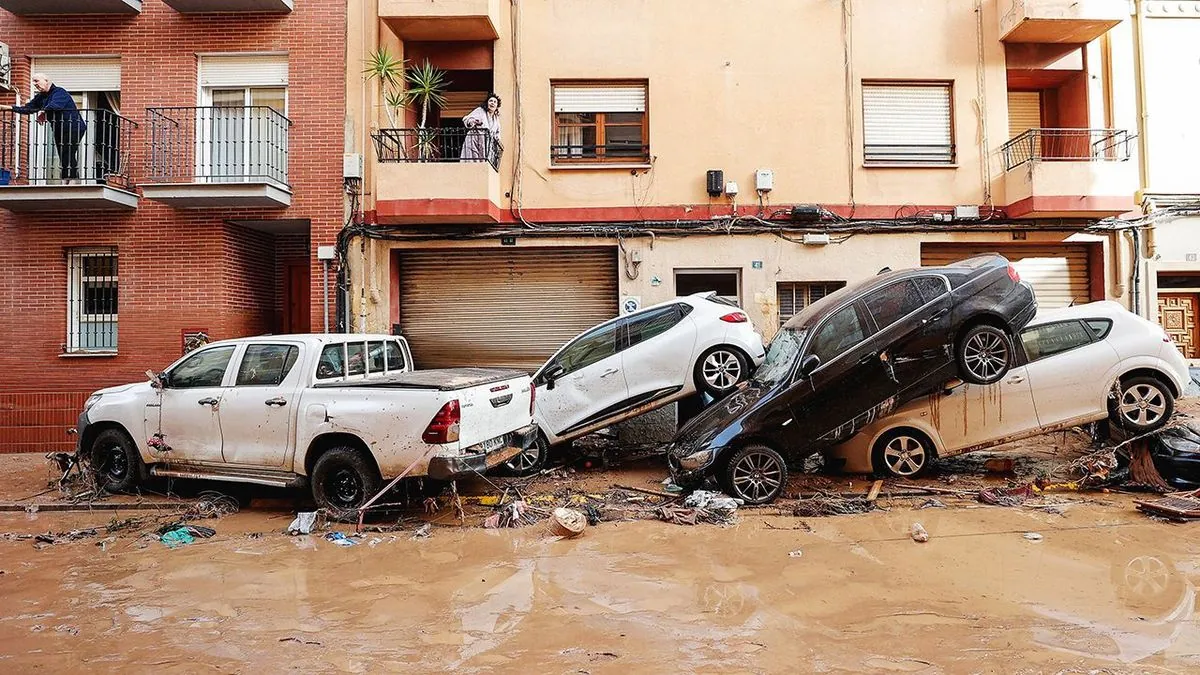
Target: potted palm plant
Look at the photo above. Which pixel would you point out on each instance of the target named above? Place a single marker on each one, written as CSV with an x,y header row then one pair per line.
x,y
419,88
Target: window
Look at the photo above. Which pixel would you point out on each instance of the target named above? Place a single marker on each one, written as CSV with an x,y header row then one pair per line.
x,y
95,152
727,284
203,369
241,128
841,332
395,356
596,122
932,288
332,362
653,323
907,123
1054,338
597,345
893,302
356,360
266,364
795,296
92,300
1100,327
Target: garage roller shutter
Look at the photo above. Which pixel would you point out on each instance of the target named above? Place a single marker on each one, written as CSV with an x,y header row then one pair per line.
x,y
1058,273
494,307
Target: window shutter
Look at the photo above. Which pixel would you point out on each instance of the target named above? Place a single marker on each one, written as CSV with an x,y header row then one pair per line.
x,y
254,70
907,123
615,99
81,73
1024,112
461,103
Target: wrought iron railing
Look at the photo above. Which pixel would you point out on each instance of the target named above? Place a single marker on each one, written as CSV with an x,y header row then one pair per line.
x,y
58,148
437,145
1070,145
214,144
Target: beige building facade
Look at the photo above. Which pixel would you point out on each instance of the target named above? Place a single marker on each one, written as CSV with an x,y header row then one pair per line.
x,y
849,136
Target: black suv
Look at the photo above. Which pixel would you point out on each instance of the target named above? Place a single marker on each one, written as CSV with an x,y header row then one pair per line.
x,y
850,358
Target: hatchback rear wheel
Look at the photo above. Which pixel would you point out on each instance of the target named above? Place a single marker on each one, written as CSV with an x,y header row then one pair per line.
x,y
902,454
720,370
1144,404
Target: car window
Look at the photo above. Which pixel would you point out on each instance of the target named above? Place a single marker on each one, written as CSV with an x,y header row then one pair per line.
x,y
841,332
893,302
375,357
356,359
781,356
333,362
266,364
395,356
598,344
931,288
653,323
205,369
1054,338
1100,327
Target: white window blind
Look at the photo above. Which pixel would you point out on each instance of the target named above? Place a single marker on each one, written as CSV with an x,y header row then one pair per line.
x,y
81,73
253,70
599,99
907,123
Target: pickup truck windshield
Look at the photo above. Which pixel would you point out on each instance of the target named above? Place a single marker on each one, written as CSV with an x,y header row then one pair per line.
x,y
781,357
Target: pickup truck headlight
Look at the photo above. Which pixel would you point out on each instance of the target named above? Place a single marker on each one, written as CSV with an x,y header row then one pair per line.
x,y
92,400
695,460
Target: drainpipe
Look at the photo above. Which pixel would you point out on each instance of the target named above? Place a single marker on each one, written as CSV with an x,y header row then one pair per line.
x,y
1143,117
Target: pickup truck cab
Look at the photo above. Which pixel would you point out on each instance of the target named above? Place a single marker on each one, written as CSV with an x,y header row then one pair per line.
x,y
337,412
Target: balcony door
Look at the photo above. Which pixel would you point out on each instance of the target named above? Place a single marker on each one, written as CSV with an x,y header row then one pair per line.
x,y
242,135
58,154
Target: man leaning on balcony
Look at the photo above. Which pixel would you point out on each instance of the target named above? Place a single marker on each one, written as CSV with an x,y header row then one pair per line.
x,y
54,104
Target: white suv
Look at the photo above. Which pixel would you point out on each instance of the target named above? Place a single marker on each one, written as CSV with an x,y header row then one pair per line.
x,y
639,362
1077,365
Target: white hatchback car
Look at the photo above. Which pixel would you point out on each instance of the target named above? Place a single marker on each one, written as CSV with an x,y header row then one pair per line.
x,y
1076,365
639,362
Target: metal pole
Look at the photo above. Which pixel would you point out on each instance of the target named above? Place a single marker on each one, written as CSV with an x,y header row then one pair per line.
x,y
325,283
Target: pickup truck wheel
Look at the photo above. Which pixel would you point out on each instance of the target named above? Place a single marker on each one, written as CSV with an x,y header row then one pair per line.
x,y
343,480
984,354
755,474
115,461
529,462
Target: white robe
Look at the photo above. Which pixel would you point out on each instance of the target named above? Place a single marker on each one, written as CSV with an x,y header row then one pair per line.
x,y
483,135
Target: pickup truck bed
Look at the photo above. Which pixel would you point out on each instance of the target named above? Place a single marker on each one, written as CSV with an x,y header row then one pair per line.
x,y
442,379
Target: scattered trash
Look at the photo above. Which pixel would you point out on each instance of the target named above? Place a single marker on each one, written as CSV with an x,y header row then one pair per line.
x,y
593,514
707,499
1006,496
567,523
375,541
670,487
303,523
918,533
176,538
299,641
999,465
423,531
340,539
680,515
103,543
245,552
1033,536
515,514
795,554
931,504
1178,507
31,509
211,504
831,505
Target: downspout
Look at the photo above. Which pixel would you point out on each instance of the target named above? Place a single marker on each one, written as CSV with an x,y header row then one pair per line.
x,y
1143,145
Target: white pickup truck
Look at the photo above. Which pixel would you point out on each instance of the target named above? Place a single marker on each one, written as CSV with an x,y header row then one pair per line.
x,y
338,412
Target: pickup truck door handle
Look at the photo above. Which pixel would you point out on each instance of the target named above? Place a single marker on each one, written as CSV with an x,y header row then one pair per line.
x,y
278,400
610,371
207,401
934,317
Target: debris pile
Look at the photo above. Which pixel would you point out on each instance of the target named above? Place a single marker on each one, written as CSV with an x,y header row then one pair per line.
x,y
822,504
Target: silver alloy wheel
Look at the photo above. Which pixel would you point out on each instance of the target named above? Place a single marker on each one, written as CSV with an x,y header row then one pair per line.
x,y
525,460
1143,404
905,456
756,476
985,355
722,370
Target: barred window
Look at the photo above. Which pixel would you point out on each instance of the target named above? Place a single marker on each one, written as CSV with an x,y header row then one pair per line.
x,y
92,300
795,296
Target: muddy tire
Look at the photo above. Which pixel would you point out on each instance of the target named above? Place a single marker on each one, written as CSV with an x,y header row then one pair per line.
x,y
115,461
984,354
1143,404
529,462
720,369
343,479
755,474
902,453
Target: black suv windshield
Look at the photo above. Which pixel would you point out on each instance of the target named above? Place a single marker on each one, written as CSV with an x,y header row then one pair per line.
x,y
782,355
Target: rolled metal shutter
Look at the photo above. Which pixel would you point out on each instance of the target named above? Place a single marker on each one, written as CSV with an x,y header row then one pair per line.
x,y
1024,112
461,103
81,73
1058,273
907,123
598,99
502,307
249,70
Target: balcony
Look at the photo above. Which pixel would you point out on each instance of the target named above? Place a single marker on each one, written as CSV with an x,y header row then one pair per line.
x,y
1069,173
218,157
39,7
50,163
1063,21
426,176
209,6
445,20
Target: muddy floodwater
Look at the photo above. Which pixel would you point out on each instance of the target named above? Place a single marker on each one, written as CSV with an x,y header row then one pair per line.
x,y
1105,589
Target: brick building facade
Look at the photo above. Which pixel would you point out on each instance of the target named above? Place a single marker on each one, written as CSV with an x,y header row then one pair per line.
x,y
229,252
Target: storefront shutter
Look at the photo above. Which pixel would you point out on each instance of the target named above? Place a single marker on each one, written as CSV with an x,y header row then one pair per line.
x,y
1059,273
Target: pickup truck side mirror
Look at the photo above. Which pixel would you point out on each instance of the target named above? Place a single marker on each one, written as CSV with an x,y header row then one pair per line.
x,y
809,364
157,380
553,373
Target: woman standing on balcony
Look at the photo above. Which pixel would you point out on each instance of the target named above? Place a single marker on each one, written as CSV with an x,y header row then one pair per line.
x,y
54,104
483,132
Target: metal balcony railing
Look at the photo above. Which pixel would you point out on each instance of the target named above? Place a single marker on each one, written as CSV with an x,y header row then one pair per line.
x,y
52,148
1066,145
437,145
217,145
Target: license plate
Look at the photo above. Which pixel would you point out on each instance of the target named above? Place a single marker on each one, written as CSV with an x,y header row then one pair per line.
x,y
493,444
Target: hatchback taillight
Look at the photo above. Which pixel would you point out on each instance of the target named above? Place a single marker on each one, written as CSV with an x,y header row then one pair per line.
x,y
1014,275
444,427
532,397
735,317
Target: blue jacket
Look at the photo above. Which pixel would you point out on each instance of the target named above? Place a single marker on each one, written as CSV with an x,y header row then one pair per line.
x,y
58,105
